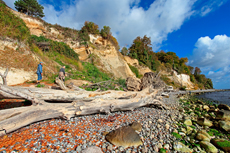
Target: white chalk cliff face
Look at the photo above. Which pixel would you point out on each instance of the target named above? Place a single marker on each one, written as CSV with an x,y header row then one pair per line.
x,y
17,76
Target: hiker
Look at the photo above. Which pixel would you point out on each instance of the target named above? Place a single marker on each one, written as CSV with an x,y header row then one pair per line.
x,y
39,72
62,74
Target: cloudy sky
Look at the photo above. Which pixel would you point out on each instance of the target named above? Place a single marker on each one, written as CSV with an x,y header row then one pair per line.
x,y
197,29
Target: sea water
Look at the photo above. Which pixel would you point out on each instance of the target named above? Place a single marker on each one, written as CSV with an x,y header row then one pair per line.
x,y
222,97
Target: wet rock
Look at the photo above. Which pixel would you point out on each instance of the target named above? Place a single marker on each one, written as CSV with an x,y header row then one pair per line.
x,y
92,149
223,106
205,107
203,136
208,147
187,122
223,115
204,122
178,146
222,144
225,125
124,136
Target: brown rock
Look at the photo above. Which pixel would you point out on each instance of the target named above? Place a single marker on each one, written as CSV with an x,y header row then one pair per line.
x,y
223,115
222,144
136,126
124,136
223,106
133,84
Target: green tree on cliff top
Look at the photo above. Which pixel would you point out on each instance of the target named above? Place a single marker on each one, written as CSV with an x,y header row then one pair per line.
x,y
29,7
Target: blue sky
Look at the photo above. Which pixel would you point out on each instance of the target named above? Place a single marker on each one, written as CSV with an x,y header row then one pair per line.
x,y
197,29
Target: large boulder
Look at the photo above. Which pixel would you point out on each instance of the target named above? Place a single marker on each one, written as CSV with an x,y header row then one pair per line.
x,y
225,125
222,144
133,84
223,115
208,147
124,136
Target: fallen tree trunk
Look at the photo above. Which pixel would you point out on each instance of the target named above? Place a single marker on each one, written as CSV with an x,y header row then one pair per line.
x,y
80,103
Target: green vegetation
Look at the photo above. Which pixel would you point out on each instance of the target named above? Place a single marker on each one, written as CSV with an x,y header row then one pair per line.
x,y
40,85
12,26
135,71
176,135
55,46
29,7
224,143
162,150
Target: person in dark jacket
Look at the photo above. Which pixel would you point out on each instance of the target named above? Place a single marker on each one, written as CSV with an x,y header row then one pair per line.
x,y
39,72
62,74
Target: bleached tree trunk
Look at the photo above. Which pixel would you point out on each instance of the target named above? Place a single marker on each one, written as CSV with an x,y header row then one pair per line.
x,y
50,103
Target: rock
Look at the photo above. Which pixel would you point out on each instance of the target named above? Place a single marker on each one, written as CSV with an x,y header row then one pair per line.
x,y
92,149
187,122
133,84
204,122
208,147
223,115
160,120
225,125
222,144
203,136
189,130
205,107
178,146
167,126
124,136
136,126
223,106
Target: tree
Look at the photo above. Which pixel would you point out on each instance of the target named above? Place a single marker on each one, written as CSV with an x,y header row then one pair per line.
x,y
105,32
29,7
91,27
124,51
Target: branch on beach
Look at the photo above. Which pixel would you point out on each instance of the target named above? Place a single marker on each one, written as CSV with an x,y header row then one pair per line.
x,y
69,103
4,76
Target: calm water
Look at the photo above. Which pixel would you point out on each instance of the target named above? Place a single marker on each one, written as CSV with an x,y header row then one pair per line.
x,y
221,96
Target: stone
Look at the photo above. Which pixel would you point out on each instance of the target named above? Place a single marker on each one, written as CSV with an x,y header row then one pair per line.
x,y
189,130
167,126
205,107
208,147
178,146
160,120
136,126
92,149
187,122
124,136
223,106
204,122
225,125
203,136
223,115
133,84
222,144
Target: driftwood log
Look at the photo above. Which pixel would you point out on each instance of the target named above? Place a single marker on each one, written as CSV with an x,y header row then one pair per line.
x,y
50,103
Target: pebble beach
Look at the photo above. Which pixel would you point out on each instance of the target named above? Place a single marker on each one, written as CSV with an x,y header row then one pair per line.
x,y
79,133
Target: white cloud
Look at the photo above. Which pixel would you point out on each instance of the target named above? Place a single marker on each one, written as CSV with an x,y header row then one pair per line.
x,y
126,19
213,57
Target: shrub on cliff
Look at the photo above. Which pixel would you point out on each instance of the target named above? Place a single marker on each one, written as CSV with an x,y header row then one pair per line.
x,y
55,46
12,26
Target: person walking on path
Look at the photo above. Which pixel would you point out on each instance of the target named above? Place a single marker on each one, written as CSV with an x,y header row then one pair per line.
x,y
62,74
39,72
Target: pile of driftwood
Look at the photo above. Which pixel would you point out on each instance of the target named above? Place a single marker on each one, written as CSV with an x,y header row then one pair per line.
x,y
67,103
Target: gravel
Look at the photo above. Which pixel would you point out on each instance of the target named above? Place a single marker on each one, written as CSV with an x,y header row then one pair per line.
x,y
78,133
